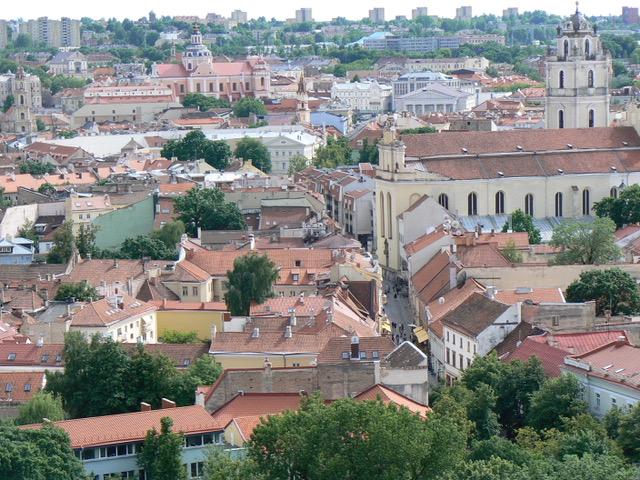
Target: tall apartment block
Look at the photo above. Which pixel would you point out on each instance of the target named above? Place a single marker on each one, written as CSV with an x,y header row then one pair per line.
x,y
464,13
304,15
53,33
419,12
376,15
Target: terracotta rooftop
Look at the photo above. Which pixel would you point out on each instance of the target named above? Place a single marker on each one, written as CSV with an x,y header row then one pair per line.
x,y
182,354
482,255
103,313
132,427
30,355
389,396
110,271
452,299
580,343
536,295
165,304
550,357
433,278
374,349
474,315
174,189
305,306
267,343
20,386
424,241
256,405
187,272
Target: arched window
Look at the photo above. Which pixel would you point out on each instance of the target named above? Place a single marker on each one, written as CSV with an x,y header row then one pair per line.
x,y
587,47
592,118
443,200
21,99
472,204
500,203
566,48
590,79
586,205
528,204
561,79
390,217
558,204
21,115
382,217
560,118
613,193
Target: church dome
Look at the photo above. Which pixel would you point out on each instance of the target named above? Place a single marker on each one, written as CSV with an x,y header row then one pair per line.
x,y
577,23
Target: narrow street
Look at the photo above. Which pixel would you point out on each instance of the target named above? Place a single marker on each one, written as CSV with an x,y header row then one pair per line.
x,y
399,313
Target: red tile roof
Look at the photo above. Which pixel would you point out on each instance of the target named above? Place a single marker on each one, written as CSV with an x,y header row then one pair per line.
x,y
450,301
580,343
389,396
474,315
102,313
30,355
267,343
109,271
432,279
617,362
482,255
550,357
257,405
165,304
20,386
332,352
536,295
131,427
424,241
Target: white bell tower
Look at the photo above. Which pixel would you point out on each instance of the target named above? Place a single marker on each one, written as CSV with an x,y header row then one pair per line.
x,y
577,77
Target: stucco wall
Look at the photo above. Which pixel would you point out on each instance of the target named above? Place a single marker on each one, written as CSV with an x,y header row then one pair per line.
x,y
130,221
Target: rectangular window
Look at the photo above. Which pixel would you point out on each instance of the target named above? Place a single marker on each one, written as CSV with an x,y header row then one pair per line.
x,y
234,86
197,469
345,355
453,339
447,357
221,87
461,361
447,335
194,290
555,320
597,401
468,346
211,86
185,291
181,88
207,438
88,453
460,342
474,349
194,440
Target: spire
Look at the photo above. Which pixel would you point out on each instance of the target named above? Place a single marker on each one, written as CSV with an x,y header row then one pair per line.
x,y
302,88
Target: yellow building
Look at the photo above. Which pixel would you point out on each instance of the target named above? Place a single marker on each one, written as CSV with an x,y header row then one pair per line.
x,y
185,317
84,210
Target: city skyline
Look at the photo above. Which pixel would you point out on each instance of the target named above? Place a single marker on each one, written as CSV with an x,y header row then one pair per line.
x,y
322,11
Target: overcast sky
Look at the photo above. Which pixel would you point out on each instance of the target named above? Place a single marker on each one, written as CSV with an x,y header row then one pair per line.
x,y
281,9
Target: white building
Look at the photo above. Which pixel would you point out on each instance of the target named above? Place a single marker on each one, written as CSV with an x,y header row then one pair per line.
x,y
435,97
577,78
473,329
363,96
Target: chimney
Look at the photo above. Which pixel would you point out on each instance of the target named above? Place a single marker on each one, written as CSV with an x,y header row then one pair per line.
x,y
288,332
40,342
68,309
199,397
267,365
621,340
214,331
490,293
166,403
115,263
255,333
252,241
355,348
145,407
301,298
293,321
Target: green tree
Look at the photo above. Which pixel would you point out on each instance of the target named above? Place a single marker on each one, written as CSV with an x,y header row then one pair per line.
x,y
250,281
203,103
253,149
148,378
170,234
521,222
481,411
297,163
27,231
248,105
174,336
219,465
206,208
40,125
38,454
81,291
8,103
369,152
146,246
4,201
195,146
336,152
36,168
161,454
339,71
63,244
612,289
511,252
623,210
557,399
86,240
629,433
41,405
47,189
204,371
585,243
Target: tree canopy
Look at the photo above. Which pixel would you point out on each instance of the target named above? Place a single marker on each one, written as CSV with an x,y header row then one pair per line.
x,y
297,163
557,399
195,146
101,378
174,336
251,280
63,244
252,149
204,103
37,168
81,292
623,210
612,289
41,405
585,243
207,209
248,105
161,454
521,222
38,454
336,152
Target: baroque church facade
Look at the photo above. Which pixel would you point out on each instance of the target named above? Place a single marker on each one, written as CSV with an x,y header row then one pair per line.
x,y
198,73
577,77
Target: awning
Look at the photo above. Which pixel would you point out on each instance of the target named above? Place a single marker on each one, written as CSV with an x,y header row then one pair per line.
x,y
385,325
421,334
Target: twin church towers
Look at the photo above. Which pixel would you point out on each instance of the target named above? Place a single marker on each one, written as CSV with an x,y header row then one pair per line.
x,y
577,77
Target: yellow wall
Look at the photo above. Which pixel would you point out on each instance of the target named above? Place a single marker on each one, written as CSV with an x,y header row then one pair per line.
x,y
232,435
198,321
257,361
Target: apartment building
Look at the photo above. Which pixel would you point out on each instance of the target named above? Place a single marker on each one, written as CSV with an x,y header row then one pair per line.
x,y
54,33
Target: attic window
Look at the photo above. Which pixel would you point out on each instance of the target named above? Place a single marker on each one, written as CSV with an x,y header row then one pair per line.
x,y
345,355
11,356
363,355
186,362
8,387
298,263
375,354
58,358
44,358
27,387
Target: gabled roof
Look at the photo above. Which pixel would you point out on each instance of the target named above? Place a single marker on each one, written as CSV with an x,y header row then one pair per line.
x,y
256,405
581,342
406,355
389,396
96,271
433,278
229,343
31,355
132,427
475,314
335,347
550,357
424,241
20,386
188,272
102,313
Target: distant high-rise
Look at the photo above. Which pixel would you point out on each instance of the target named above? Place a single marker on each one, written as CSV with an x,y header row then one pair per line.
x,y
510,12
464,13
53,33
376,15
304,15
4,33
630,15
419,12
152,17
577,77
239,16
